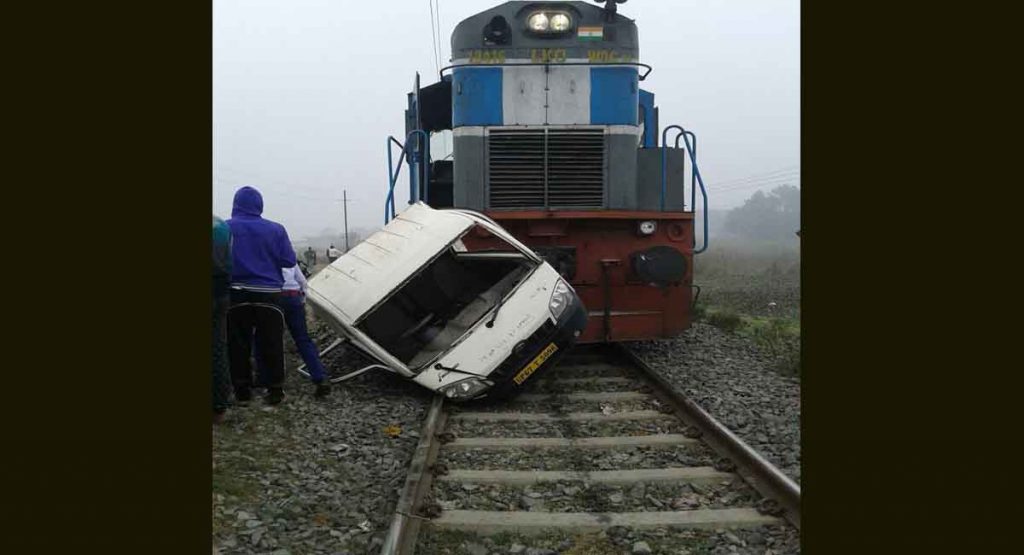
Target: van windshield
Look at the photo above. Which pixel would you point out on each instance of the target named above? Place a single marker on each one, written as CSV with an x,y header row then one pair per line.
x,y
444,300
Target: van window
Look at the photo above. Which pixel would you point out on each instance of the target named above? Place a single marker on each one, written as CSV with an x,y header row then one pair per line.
x,y
444,300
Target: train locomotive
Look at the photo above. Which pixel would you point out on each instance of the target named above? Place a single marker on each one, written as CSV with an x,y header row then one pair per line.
x,y
554,139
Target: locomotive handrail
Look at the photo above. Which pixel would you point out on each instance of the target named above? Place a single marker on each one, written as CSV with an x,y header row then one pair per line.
x,y
389,202
693,171
693,181
695,178
502,64
692,150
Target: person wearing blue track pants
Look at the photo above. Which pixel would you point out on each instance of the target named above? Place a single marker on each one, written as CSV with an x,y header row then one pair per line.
x,y
293,301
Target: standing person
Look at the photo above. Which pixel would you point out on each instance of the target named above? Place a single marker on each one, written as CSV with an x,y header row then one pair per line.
x,y
221,301
310,257
293,301
261,248
333,254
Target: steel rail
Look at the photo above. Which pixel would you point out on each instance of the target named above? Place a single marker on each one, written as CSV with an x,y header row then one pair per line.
x,y
753,468
762,475
401,538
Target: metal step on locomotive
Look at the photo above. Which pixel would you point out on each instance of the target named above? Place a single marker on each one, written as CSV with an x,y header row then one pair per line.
x,y
555,140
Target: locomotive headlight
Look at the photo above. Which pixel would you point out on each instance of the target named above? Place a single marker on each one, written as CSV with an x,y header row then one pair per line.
x,y
560,299
549,22
560,22
647,227
538,22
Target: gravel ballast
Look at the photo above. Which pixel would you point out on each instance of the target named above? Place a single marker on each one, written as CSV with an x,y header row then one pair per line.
x,y
564,459
315,475
323,475
732,378
762,540
562,428
581,496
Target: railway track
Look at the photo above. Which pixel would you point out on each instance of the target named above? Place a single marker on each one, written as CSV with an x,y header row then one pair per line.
x,y
601,443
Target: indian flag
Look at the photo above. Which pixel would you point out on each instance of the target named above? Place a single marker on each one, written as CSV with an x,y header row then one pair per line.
x,y
590,33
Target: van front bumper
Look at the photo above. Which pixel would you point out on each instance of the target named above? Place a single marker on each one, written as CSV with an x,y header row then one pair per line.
x,y
562,335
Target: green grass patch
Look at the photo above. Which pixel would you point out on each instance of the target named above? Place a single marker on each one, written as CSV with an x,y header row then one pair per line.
x,y
229,484
778,336
724,319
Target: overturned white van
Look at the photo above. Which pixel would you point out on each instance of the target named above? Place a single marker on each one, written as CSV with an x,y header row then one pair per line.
x,y
468,323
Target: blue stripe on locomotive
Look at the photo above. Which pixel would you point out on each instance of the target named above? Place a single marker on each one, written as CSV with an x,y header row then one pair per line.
x,y
614,97
477,96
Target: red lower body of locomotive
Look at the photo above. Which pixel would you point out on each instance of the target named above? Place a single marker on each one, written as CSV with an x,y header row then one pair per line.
x,y
637,283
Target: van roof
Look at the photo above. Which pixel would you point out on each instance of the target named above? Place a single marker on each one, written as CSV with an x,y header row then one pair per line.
x,y
370,271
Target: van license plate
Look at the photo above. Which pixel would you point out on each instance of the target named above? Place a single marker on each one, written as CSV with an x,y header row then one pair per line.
x,y
535,364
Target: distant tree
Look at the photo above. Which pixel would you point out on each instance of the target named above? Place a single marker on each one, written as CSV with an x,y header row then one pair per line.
x,y
774,216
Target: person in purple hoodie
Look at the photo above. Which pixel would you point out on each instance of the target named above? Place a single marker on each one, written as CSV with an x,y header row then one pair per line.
x,y
261,248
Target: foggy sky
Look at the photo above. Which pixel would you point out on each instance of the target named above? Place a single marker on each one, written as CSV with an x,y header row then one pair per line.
x,y
305,93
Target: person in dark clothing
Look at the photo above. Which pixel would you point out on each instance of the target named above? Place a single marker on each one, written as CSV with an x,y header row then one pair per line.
x,y
261,248
293,302
221,301
310,257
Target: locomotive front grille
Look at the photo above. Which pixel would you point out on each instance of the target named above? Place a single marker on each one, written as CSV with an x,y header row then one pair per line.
x,y
546,168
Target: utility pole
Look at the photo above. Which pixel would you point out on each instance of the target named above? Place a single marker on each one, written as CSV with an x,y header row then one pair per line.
x,y
344,204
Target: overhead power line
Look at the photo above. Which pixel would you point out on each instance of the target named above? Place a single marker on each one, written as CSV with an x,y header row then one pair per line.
x,y
756,177
440,38
433,37
436,38
247,178
769,183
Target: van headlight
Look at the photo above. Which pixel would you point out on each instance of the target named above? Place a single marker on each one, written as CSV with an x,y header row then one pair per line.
x,y
560,298
465,389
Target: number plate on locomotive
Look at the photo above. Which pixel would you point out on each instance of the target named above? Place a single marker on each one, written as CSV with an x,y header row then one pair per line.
x,y
534,364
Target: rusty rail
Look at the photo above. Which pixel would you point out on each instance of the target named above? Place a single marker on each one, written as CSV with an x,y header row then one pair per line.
x,y
401,538
762,475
